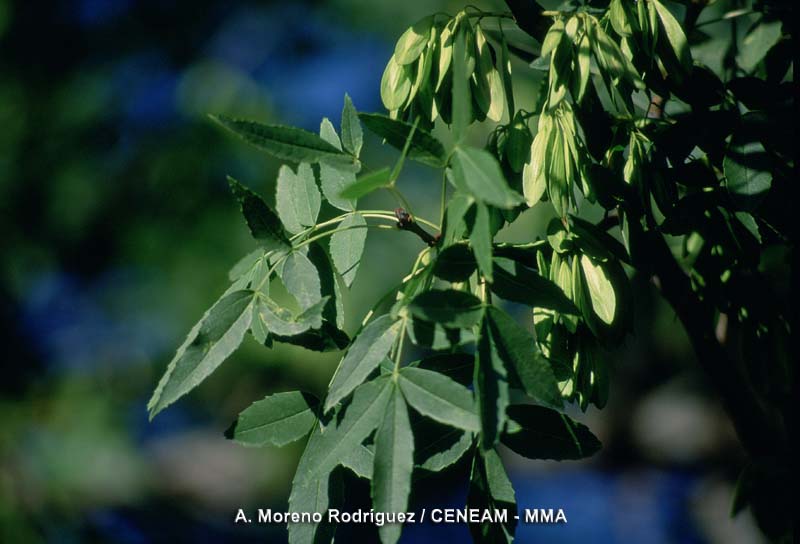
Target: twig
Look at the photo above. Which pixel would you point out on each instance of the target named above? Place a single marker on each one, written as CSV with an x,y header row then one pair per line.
x,y
405,221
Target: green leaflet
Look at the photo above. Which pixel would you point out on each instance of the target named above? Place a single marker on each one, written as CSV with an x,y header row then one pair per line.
x,y
334,178
480,239
362,415
675,36
352,136
394,463
491,490
450,308
245,264
264,224
516,283
259,329
459,367
413,41
757,43
379,179
328,133
297,198
518,349
326,338
364,355
423,148
454,217
439,447
491,386
334,181
747,172
477,172
209,343
281,322
333,311
440,398
312,494
361,461
347,246
536,432
276,420
436,337
301,279
455,263
286,143
603,298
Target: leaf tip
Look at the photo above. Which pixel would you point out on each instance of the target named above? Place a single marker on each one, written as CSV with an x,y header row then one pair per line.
x,y
230,432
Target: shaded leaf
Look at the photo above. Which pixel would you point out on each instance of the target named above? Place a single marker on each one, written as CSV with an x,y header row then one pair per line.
x,y
264,224
537,432
491,386
747,175
449,308
518,349
456,366
455,263
327,338
491,490
438,447
517,283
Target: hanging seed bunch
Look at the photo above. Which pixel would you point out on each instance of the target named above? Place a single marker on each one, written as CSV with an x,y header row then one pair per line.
x,y
418,79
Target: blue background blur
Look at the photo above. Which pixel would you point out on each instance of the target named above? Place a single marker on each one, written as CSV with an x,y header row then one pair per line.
x,y
118,231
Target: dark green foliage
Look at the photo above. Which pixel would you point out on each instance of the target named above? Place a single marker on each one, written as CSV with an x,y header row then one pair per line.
x,y
710,171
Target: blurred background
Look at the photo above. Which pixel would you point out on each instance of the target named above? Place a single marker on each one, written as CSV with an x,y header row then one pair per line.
x,y
118,231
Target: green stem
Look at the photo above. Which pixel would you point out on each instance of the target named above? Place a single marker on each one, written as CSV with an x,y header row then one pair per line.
x,y
443,203
334,231
398,354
